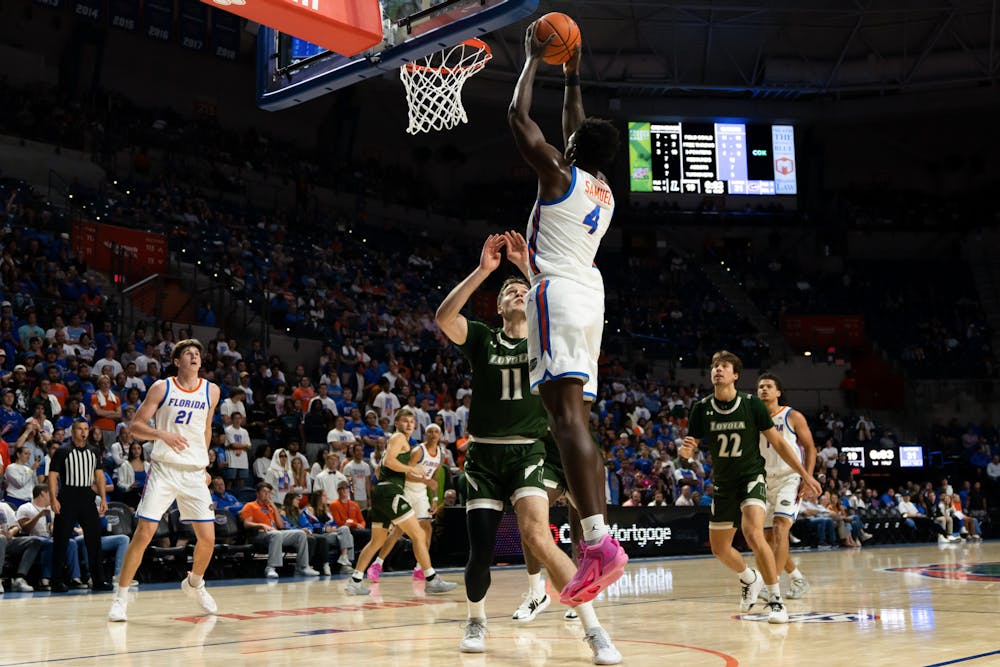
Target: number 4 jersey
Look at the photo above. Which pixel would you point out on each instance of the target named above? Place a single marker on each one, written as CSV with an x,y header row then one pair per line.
x,y
732,431
503,409
564,234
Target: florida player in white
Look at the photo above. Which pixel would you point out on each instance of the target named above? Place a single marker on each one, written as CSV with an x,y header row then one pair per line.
x,y
427,457
181,408
784,486
565,307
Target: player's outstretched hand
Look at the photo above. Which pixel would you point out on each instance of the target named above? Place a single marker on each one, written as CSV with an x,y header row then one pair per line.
x,y
174,441
534,49
517,248
572,66
489,259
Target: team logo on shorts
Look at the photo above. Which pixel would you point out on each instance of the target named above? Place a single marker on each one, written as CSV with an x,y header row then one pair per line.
x,y
813,617
954,571
533,363
786,502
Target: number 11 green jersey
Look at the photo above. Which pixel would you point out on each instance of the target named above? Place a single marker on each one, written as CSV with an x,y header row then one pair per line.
x,y
503,410
733,433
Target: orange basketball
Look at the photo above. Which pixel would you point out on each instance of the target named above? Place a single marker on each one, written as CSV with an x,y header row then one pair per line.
x,y
567,36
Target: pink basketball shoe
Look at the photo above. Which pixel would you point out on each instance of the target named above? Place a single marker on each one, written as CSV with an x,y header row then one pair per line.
x,y
600,566
374,572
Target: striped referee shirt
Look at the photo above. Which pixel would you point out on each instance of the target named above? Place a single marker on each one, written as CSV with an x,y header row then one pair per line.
x,y
75,465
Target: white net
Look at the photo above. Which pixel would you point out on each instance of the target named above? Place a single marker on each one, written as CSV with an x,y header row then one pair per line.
x,y
434,85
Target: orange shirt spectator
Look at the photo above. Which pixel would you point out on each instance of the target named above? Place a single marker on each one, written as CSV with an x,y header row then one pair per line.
x,y
345,511
59,390
260,513
303,395
106,406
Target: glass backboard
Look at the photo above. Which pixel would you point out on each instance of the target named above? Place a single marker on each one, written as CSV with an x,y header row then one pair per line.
x,y
291,71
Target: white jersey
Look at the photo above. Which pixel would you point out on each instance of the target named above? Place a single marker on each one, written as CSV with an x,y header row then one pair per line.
x,y
429,464
774,464
564,234
185,412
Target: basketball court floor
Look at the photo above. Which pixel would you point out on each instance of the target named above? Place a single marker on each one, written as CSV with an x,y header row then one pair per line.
x,y
926,605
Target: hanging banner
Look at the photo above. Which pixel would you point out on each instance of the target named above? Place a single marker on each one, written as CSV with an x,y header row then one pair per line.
x,y
159,15
92,10
225,34
193,25
124,14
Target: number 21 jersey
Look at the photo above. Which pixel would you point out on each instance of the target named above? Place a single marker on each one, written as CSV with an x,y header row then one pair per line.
x,y
186,412
565,233
732,430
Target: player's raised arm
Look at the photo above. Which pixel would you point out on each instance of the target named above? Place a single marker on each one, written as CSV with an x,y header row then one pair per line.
x,y
449,314
572,112
543,158
517,251
790,456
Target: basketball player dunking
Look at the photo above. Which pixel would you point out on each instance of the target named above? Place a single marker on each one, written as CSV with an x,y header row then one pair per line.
x,y
565,308
181,408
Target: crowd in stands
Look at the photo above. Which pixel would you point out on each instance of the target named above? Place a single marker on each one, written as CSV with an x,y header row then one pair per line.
x,y
295,445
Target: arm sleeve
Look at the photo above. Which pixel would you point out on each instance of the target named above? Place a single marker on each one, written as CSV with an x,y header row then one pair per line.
x,y
478,333
696,421
760,414
58,463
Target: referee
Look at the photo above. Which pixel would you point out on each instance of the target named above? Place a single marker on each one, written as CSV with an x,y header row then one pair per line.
x,y
77,467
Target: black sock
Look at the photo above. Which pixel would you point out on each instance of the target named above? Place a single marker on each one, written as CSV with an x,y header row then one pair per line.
x,y
431,577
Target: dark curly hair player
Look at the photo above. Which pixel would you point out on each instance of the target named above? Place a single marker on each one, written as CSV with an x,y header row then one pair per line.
x,y
565,307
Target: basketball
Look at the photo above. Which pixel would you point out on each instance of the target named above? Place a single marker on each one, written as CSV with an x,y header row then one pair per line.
x,y
567,36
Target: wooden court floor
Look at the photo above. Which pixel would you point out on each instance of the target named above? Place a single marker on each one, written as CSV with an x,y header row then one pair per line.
x,y
926,605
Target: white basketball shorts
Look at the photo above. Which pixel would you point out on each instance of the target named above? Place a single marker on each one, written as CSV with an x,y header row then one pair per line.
x,y
167,483
782,498
565,325
419,501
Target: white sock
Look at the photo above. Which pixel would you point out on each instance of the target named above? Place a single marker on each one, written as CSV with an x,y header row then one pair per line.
x,y
587,615
535,583
195,579
429,573
121,592
748,576
378,561
358,576
594,529
478,609
796,574
774,591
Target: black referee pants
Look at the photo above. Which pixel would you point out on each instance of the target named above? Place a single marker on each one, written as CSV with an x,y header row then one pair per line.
x,y
77,505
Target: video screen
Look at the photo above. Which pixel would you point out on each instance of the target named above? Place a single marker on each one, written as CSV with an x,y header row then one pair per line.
x,y
712,158
911,457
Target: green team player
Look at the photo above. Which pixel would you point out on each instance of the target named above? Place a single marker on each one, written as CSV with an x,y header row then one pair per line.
x,y
390,508
505,458
732,422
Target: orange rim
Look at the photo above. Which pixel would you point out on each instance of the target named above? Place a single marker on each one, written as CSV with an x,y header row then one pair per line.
x,y
479,44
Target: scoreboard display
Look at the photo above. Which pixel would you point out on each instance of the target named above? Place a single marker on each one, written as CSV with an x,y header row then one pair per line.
x,y
712,158
873,457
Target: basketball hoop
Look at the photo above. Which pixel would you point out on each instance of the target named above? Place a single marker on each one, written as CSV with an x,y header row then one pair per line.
x,y
434,85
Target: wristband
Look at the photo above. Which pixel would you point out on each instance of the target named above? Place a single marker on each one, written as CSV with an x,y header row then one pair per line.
x,y
573,80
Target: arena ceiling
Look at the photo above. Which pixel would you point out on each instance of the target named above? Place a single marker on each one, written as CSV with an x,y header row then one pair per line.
x,y
780,49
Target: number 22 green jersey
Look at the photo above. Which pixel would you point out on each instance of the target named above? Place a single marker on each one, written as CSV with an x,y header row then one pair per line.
x,y
503,410
733,433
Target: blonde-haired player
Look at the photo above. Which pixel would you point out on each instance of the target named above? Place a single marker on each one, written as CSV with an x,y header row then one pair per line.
x,y
784,485
181,409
